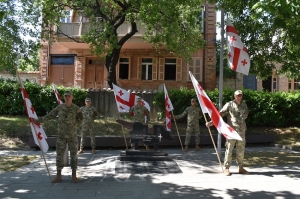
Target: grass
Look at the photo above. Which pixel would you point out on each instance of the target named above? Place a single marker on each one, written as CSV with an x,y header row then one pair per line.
x,y
15,131
11,163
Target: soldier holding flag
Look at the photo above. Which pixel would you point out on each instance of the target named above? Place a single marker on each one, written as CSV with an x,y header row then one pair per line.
x,y
193,115
236,112
69,118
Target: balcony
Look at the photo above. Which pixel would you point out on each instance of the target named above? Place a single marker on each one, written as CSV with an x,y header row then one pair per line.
x,y
77,29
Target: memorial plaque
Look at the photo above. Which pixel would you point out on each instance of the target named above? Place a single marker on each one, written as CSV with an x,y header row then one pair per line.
x,y
149,136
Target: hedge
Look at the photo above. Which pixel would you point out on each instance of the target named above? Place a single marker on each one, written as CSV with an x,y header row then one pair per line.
x,y
272,109
41,97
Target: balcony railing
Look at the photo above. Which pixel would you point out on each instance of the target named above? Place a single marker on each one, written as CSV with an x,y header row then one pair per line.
x,y
77,29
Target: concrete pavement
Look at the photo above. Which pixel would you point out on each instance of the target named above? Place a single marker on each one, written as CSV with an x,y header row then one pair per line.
x,y
199,176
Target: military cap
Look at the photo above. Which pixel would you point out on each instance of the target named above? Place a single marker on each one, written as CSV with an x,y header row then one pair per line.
x,y
88,99
139,99
193,100
238,92
68,93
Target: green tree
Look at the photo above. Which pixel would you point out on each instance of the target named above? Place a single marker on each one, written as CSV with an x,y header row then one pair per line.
x,y
270,30
19,24
172,24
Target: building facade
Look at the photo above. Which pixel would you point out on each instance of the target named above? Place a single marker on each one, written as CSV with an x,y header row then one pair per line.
x,y
71,64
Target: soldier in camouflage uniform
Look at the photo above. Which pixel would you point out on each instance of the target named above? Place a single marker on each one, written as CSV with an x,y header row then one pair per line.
x,y
89,115
139,112
236,112
193,113
69,118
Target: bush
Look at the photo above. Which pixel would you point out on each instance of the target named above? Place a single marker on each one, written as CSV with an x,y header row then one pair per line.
x,y
42,97
278,109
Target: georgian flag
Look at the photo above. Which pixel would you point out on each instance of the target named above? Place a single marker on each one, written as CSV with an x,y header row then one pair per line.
x,y
125,100
238,57
168,108
208,107
56,94
37,130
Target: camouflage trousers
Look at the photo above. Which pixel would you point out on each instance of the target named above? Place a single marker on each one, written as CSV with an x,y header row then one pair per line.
x,y
240,150
60,150
192,129
84,131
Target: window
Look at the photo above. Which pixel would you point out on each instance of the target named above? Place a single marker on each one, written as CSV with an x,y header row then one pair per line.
x,y
274,83
62,60
170,69
123,68
201,19
294,84
195,66
67,16
96,62
146,69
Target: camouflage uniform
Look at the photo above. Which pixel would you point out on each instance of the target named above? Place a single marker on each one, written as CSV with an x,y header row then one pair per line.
x,y
236,116
193,116
69,118
89,115
139,113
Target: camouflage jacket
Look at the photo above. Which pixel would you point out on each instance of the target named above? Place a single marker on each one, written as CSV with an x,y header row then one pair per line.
x,y
68,118
89,114
236,114
193,115
139,113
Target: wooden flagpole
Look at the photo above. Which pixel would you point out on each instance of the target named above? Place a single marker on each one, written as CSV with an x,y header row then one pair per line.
x,y
177,130
212,139
123,133
19,80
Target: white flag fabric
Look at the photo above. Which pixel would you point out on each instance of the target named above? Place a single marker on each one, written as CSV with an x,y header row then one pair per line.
x,y
56,94
238,57
37,130
168,108
125,100
208,107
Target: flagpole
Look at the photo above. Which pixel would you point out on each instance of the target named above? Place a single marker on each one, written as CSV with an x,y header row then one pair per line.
x,y
221,75
212,139
19,80
177,130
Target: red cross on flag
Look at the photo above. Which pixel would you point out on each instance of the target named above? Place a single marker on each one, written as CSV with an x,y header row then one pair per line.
x,y
37,130
125,100
238,57
169,107
56,94
208,107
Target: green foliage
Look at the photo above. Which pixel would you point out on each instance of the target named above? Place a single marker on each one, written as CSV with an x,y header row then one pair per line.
x,y
270,30
19,33
276,109
41,97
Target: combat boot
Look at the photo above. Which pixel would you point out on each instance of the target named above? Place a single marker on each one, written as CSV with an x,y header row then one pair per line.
x,y
147,147
93,151
74,178
80,151
227,172
242,170
58,177
186,148
197,147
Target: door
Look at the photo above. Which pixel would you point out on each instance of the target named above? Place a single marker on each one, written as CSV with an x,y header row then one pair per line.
x,y
94,77
62,75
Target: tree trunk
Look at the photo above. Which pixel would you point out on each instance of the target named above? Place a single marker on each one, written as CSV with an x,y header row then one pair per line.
x,y
112,59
